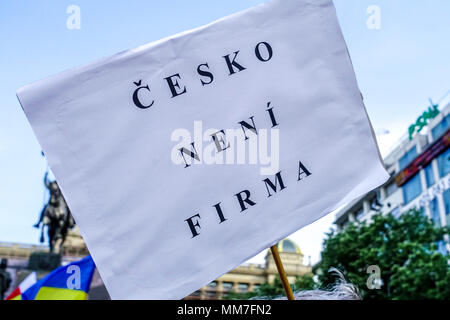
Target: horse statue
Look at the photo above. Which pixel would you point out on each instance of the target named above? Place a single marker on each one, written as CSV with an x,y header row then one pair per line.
x,y
56,216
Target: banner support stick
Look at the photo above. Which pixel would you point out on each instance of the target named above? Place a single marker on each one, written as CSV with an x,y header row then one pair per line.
x,y
282,273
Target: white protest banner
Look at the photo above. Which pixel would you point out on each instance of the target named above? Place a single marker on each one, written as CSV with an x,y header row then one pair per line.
x,y
147,145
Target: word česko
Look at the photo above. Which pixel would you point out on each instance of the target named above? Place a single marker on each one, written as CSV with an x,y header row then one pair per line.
x,y
142,95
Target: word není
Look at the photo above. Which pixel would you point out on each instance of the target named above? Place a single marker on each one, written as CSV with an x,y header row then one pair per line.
x,y
143,97
219,138
244,199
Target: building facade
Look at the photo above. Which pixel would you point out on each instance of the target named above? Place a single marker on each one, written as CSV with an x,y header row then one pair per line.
x,y
419,166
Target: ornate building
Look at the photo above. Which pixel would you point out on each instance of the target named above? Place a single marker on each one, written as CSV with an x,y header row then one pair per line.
x,y
248,277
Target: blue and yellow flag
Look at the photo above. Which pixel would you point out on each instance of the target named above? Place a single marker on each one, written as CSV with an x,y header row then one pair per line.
x,y
70,282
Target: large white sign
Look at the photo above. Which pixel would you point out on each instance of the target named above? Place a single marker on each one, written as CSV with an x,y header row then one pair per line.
x,y
166,207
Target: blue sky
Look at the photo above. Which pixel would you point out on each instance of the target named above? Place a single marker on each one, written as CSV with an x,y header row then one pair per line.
x,y
398,68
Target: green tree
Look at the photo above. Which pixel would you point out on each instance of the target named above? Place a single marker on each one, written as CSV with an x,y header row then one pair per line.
x,y
404,249
305,282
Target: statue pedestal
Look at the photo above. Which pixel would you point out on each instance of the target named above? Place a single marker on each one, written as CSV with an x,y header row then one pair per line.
x,y
45,261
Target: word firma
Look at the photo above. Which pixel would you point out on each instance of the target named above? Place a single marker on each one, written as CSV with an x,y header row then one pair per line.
x,y
244,199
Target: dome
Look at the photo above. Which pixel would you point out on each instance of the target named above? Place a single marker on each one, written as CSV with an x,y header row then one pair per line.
x,y
289,246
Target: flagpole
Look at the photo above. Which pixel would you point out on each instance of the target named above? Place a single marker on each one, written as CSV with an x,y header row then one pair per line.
x,y
281,272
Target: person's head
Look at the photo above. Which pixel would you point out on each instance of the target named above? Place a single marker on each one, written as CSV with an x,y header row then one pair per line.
x,y
341,290
3,264
54,188
55,192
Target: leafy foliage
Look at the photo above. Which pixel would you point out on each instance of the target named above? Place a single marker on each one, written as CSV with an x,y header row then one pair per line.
x,y
305,282
405,250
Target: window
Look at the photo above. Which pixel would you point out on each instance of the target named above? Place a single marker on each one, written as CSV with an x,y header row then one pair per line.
x,y
434,210
344,223
446,196
375,202
212,284
444,163
407,158
441,247
243,287
391,188
429,175
256,286
412,189
440,129
227,286
196,293
396,212
359,213
211,294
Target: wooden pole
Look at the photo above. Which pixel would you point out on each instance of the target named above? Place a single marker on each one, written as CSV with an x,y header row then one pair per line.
x,y
282,273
